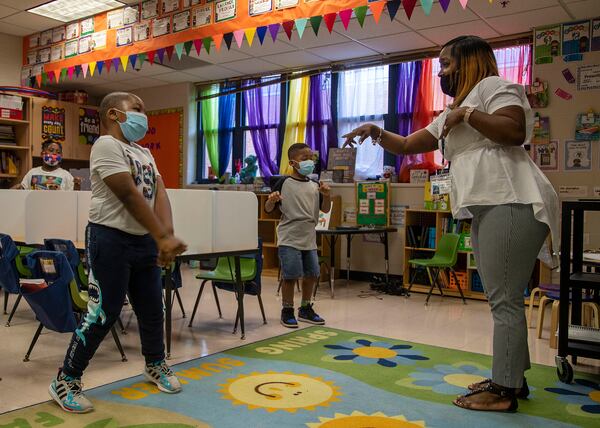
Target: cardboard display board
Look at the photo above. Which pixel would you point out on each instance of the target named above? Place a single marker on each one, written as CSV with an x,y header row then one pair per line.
x,y
372,203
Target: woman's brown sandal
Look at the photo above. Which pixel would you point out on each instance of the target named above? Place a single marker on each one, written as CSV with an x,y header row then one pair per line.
x,y
521,393
492,388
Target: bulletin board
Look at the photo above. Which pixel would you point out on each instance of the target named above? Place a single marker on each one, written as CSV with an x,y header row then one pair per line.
x,y
372,203
165,141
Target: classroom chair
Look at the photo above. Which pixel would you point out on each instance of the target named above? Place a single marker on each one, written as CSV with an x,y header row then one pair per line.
x,y
67,247
323,263
177,282
223,278
58,302
444,259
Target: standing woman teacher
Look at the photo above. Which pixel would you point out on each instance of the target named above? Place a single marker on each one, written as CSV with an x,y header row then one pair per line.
x,y
494,182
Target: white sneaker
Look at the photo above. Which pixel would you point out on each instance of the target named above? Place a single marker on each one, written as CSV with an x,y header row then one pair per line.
x,y
161,374
67,392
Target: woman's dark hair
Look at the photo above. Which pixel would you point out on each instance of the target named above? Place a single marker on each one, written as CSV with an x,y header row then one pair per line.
x,y
475,60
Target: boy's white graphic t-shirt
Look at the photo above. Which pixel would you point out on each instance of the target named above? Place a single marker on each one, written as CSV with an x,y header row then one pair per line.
x,y
39,179
111,156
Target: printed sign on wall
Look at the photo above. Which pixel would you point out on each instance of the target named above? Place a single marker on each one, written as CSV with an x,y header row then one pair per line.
x,y
53,123
89,125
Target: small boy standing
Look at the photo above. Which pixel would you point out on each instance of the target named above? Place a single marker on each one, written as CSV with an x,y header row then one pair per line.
x,y
300,200
129,235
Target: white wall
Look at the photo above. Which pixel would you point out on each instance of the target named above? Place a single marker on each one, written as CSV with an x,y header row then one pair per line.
x,y
173,96
11,60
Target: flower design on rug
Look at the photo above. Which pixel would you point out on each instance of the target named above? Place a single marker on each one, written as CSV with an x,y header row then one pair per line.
x,y
446,379
360,419
582,397
385,354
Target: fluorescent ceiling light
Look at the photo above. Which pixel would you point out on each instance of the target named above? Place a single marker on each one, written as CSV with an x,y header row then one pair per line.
x,y
71,10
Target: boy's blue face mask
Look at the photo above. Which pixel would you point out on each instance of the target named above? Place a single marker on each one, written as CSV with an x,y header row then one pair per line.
x,y
306,167
135,126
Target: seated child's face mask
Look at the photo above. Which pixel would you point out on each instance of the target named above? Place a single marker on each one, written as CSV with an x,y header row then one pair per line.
x,y
52,159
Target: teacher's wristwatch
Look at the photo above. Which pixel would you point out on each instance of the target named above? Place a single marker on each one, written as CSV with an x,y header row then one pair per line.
x,y
468,114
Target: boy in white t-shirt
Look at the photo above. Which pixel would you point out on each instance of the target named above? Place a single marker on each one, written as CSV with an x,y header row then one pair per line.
x,y
50,176
128,238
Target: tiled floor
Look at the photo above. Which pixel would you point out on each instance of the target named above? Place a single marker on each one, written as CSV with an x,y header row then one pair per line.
x,y
445,322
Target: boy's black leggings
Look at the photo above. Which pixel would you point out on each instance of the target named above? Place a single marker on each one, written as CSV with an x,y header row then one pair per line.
x,y
119,263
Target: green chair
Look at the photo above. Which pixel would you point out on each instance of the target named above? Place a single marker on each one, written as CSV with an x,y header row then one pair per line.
x,y
444,259
223,273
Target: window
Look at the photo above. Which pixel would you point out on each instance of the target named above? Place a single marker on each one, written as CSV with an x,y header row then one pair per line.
x,y
363,97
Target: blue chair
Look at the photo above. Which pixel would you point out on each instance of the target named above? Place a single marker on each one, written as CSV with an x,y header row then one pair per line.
x,y
11,270
56,305
67,247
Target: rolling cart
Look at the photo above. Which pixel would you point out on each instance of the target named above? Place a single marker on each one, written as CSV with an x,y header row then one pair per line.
x,y
572,339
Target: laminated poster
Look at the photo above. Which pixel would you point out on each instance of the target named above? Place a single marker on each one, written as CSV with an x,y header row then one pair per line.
x,y
59,34
34,40
578,156
114,18
87,26
547,44
168,6
284,4
202,15
258,7
44,55
73,31
141,31
46,38
575,38
161,26
587,127
545,156
225,10
71,48
181,21
124,36
85,44
149,9
131,15
56,53
588,77
99,40
33,57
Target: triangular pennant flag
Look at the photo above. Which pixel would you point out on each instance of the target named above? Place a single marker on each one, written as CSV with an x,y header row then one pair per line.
x,y
377,9
124,61
63,74
345,16
274,30
206,42
360,12
100,65
142,58
151,56
288,27
198,46
262,32
330,20
179,50
108,64
409,6
115,63
161,54
315,23
218,38
169,50
187,46
301,26
84,69
228,39
44,79
92,67
250,32
394,5
463,3
426,5
51,76
239,37
77,70
133,59
445,4
38,79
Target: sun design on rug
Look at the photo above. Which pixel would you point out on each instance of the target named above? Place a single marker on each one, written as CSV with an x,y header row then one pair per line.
x,y
445,378
275,391
360,420
582,397
364,351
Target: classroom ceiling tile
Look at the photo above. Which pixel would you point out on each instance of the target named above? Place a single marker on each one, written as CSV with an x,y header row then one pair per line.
x,y
370,29
295,59
30,20
174,77
147,70
343,51
211,72
584,9
142,82
6,11
398,43
437,18
251,66
498,8
309,40
475,28
22,4
13,30
268,47
526,21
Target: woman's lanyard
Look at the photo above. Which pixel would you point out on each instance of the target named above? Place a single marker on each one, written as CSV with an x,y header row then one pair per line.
x,y
441,182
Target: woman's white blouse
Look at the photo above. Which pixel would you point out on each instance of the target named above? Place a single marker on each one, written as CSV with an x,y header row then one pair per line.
x,y
487,173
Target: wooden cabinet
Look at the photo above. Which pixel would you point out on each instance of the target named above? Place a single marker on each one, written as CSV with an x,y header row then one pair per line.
x,y
19,153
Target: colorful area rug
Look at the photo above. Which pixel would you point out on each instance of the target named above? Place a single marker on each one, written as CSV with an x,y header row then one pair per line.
x,y
324,378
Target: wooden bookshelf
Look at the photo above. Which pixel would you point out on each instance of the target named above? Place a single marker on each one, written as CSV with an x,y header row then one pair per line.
x,y
19,152
465,263
267,231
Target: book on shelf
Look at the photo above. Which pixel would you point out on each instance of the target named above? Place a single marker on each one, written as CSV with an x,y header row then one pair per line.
x,y
420,236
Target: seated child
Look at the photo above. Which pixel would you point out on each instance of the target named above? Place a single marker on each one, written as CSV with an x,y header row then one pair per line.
x,y
300,200
50,176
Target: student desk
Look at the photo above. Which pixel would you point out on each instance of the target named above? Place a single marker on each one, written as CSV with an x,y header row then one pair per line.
x,y
350,233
